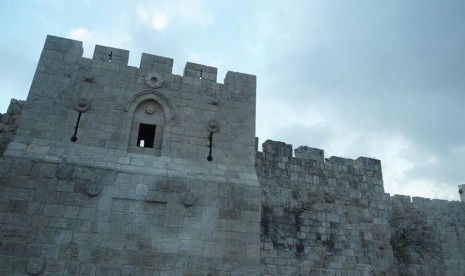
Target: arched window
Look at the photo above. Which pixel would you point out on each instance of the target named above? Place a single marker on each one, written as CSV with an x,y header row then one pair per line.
x,y
147,128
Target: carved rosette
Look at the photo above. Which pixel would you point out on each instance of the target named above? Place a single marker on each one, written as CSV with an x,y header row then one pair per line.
x,y
189,199
154,80
213,126
93,188
35,266
70,252
82,105
150,109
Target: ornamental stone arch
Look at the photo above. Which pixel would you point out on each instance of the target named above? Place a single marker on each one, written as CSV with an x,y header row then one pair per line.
x,y
148,114
151,95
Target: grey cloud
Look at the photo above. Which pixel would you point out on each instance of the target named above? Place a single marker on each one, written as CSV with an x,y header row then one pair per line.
x,y
387,67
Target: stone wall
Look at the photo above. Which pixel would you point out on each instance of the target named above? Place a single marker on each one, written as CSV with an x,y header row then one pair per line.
x,y
446,222
9,123
80,195
462,192
62,219
322,217
331,217
115,98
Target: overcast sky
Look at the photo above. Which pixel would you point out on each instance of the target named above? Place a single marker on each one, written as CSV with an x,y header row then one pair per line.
x,y
383,79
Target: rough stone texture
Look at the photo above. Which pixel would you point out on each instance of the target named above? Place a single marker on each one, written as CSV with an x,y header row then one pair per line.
x,y
462,192
447,219
322,217
9,123
331,217
137,222
103,205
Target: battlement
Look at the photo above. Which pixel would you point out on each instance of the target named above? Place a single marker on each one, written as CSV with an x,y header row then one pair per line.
x,y
275,150
113,169
462,192
200,71
102,103
69,50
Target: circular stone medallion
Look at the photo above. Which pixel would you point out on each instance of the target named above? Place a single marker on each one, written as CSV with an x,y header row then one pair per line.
x,y
150,109
154,80
213,126
35,266
82,105
188,199
93,188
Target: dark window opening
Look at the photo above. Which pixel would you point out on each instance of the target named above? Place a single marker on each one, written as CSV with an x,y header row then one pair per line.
x,y
146,136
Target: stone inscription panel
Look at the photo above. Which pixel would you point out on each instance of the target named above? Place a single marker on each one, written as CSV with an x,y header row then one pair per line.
x,y
137,212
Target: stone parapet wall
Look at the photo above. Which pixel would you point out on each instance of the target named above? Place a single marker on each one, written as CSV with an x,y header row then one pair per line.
x,y
462,192
104,171
118,170
9,123
322,218
331,217
446,221
181,107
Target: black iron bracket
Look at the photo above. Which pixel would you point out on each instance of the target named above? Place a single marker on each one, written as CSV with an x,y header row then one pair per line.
x,y
210,158
74,138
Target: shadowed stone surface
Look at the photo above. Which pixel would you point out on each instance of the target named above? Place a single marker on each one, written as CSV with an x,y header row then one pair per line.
x,y
106,205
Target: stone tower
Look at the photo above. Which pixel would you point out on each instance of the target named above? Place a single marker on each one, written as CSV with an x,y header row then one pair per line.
x,y
462,192
109,169
116,169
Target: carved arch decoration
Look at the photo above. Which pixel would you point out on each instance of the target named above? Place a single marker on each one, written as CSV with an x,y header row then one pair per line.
x,y
148,113
151,95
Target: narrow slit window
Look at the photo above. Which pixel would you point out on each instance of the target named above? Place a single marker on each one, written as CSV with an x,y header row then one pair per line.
x,y
146,135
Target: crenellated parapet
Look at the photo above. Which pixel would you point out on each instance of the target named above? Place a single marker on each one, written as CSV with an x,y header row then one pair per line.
x,y
305,152
129,170
282,153
9,123
321,215
317,211
58,48
161,173
151,62
462,192
199,71
110,54
183,117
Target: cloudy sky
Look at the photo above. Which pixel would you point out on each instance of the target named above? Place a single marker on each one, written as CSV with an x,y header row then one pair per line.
x,y
383,79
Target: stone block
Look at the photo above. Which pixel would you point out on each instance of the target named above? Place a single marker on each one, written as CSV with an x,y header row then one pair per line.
x,y
65,172
5,166
165,245
54,267
189,246
54,210
114,241
87,269
71,268
17,206
50,251
21,167
65,186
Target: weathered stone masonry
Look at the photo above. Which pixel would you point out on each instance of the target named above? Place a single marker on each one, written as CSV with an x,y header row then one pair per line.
x,y
103,205
322,217
105,172
331,217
